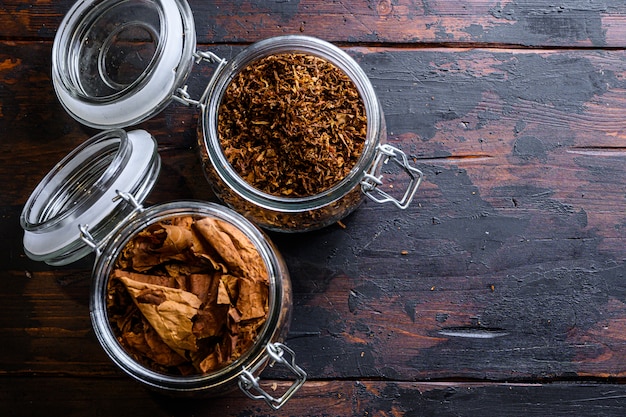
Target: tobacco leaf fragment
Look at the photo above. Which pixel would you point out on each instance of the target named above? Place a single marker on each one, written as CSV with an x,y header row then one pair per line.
x,y
168,310
149,343
206,324
251,301
240,256
162,280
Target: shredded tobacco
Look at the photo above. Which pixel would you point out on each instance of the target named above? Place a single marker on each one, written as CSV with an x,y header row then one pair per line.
x,y
292,124
188,295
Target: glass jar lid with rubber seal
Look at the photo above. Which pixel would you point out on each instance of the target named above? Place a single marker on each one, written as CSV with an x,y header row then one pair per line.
x,y
298,159
188,297
117,63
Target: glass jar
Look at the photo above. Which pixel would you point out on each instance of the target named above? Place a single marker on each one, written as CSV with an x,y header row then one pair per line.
x,y
243,372
115,64
282,213
91,201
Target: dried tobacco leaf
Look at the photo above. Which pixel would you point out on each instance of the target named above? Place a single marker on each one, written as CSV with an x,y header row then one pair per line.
x,y
149,343
240,256
292,124
158,244
168,310
188,295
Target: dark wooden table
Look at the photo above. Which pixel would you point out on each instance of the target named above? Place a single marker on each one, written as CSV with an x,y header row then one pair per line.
x,y
500,291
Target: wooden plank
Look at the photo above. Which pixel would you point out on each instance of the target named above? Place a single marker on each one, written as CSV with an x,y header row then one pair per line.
x,y
488,22
445,107
550,321
115,396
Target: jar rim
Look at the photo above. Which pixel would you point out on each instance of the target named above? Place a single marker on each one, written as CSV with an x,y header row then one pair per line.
x,y
277,45
104,265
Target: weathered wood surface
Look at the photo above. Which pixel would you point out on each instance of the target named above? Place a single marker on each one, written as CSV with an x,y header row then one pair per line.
x,y
94,396
504,277
578,23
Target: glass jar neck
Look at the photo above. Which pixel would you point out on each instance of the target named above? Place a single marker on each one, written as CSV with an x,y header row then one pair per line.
x,y
290,44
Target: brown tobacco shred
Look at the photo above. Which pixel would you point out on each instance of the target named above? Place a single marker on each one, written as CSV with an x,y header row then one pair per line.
x,y
292,124
188,295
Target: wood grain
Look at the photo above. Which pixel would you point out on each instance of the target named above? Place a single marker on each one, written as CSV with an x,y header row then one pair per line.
x,y
323,398
578,23
518,164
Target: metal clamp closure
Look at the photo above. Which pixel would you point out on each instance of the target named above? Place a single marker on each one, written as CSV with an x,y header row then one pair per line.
x,y
371,182
88,238
249,383
182,95
129,198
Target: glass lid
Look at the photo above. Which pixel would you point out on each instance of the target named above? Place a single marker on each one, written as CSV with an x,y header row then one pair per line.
x,y
116,63
89,192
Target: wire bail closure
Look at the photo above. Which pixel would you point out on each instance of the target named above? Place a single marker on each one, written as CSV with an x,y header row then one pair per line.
x,y
249,384
182,95
88,238
371,182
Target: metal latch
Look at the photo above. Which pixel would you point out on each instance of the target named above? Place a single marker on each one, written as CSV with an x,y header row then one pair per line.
x,y
249,383
182,95
371,182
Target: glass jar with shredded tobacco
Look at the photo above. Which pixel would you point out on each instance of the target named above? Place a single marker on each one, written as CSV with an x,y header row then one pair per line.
x,y
293,135
297,154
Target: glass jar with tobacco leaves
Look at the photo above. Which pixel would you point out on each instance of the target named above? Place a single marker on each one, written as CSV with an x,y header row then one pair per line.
x,y
188,297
